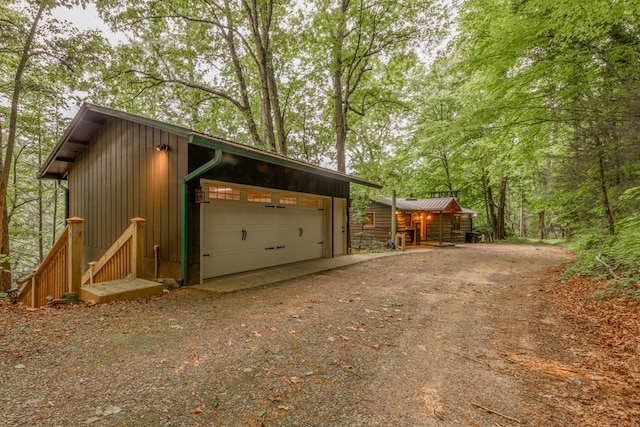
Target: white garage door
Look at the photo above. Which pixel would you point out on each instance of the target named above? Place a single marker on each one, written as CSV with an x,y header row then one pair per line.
x,y
245,229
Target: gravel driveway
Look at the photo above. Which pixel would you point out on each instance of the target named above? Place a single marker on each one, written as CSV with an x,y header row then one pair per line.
x,y
451,337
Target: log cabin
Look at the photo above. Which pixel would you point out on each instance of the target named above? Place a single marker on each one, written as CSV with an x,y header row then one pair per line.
x,y
436,221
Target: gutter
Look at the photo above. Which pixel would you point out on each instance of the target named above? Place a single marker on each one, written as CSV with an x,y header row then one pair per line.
x,y
195,140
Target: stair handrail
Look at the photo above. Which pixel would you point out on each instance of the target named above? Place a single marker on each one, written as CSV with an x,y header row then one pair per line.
x,y
108,268
59,272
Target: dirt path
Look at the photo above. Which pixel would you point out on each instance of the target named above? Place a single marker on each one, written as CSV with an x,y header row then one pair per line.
x,y
460,336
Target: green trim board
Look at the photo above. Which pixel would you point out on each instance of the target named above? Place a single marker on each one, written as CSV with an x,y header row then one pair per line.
x,y
185,209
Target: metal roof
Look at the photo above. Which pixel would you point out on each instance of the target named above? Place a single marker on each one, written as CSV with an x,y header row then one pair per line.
x,y
91,118
470,211
438,204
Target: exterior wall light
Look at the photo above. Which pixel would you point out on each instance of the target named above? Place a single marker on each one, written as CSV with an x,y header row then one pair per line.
x,y
162,147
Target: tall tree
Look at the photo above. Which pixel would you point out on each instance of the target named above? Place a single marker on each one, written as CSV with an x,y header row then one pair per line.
x,y
215,56
363,36
36,52
21,36
547,87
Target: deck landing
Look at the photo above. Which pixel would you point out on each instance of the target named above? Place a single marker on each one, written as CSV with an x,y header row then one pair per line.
x,y
125,289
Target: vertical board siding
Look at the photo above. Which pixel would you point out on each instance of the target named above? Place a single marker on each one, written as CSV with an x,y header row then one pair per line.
x,y
173,200
380,232
121,176
164,204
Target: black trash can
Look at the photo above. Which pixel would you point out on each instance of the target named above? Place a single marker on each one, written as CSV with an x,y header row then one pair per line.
x,y
471,237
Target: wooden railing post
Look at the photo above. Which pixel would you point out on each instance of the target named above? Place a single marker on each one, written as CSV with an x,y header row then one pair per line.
x,y
92,266
34,284
137,247
74,254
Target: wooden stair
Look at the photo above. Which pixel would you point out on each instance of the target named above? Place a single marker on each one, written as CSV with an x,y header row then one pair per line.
x,y
121,289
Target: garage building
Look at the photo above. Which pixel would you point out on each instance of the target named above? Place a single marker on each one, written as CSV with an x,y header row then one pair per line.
x,y
213,207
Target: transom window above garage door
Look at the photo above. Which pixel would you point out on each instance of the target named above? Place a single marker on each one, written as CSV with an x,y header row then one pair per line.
x,y
224,193
259,196
217,190
311,202
286,199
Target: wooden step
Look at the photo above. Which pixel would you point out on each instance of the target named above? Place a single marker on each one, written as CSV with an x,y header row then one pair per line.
x,y
124,289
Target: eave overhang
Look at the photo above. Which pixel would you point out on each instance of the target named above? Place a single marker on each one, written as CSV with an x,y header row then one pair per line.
x,y
91,118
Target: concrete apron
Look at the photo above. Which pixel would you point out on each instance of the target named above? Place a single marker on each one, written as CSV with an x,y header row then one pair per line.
x,y
267,276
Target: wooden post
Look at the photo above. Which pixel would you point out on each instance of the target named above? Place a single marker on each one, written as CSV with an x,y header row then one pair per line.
x,y
440,235
394,225
92,266
137,247
74,254
34,284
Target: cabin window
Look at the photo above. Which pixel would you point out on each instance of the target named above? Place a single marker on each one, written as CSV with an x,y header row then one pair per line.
x,y
288,200
259,197
456,222
369,219
224,193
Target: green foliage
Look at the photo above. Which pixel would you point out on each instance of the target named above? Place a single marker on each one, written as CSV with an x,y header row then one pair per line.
x,y
627,285
538,94
43,60
530,111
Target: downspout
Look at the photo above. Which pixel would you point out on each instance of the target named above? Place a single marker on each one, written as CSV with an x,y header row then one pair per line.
x,y
193,139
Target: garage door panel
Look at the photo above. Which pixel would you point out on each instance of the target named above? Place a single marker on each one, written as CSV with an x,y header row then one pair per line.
x,y
234,262
242,236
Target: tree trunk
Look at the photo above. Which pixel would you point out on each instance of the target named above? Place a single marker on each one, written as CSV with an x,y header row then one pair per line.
x,y
445,165
260,18
5,264
495,219
489,205
500,223
603,188
340,129
5,167
541,226
340,103
277,111
242,83
40,208
55,215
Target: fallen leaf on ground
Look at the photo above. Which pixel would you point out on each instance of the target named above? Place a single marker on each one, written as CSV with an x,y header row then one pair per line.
x,y
293,380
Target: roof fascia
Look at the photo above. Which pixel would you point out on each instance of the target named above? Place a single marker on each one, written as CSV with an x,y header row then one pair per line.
x,y
255,154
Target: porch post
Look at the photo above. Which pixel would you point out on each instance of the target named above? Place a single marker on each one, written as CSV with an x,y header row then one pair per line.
x,y
394,225
440,236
